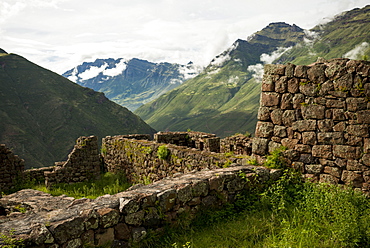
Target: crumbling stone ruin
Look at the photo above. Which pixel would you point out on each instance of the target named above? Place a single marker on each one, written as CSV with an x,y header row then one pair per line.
x,y
321,113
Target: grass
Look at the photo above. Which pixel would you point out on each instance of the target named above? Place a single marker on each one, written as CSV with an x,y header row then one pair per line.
x,y
288,213
109,183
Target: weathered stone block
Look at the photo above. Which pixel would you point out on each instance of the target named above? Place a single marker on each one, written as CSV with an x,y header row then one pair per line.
x,y
367,145
152,217
280,131
334,171
138,234
325,125
326,87
289,70
185,194
366,159
122,232
326,178
128,206
263,114
316,73
347,152
264,129
293,85
289,117
200,188
358,130
301,71
298,100
314,168
312,111
363,116
308,88
343,83
277,116
259,146
135,219
303,148
281,85
340,127
338,115
305,125
354,165
67,229
353,178
322,151
167,199
287,101
356,104
289,143
330,138
269,99
307,158
309,138
332,103
108,217
268,82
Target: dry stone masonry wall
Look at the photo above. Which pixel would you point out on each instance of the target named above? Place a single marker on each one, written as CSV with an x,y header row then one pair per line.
x,y
11,168
83,164
321,113
127,216
141,162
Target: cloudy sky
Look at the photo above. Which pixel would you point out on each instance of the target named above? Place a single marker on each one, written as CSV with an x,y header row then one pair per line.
x,y
60,34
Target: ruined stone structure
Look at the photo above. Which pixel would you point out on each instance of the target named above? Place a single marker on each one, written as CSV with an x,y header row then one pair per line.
x,y
83,164
321,113
11,168
127,216
237,144
199,140
139,160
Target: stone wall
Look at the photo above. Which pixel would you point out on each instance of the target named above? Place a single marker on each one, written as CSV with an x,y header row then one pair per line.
x,y
238,144
127,216
199,140
11,168
139,160
83,164
321,113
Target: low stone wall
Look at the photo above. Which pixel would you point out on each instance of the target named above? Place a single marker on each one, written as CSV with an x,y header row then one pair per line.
x,y
11,168
140,162
321,113
238,144
199,140
127,216
83,164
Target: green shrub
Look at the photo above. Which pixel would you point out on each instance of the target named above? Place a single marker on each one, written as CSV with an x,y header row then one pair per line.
x,y
163,152
276,160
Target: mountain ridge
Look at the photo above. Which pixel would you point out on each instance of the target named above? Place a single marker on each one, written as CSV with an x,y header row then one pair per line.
x,y
131,82
43,113
238,70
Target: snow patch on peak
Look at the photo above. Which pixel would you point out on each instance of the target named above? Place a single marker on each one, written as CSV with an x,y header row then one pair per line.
x,y
117,69
74,76
92,72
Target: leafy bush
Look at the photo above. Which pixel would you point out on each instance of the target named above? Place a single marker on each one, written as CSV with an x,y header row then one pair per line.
x,y
163,152
276,160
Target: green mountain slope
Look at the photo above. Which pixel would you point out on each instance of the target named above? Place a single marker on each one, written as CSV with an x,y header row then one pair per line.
x,y
346,36
224,99
42,113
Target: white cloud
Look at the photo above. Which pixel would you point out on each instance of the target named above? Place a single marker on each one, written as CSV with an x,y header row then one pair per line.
x,y
269,58
118,69
92,72
162,30
257,69
358,51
